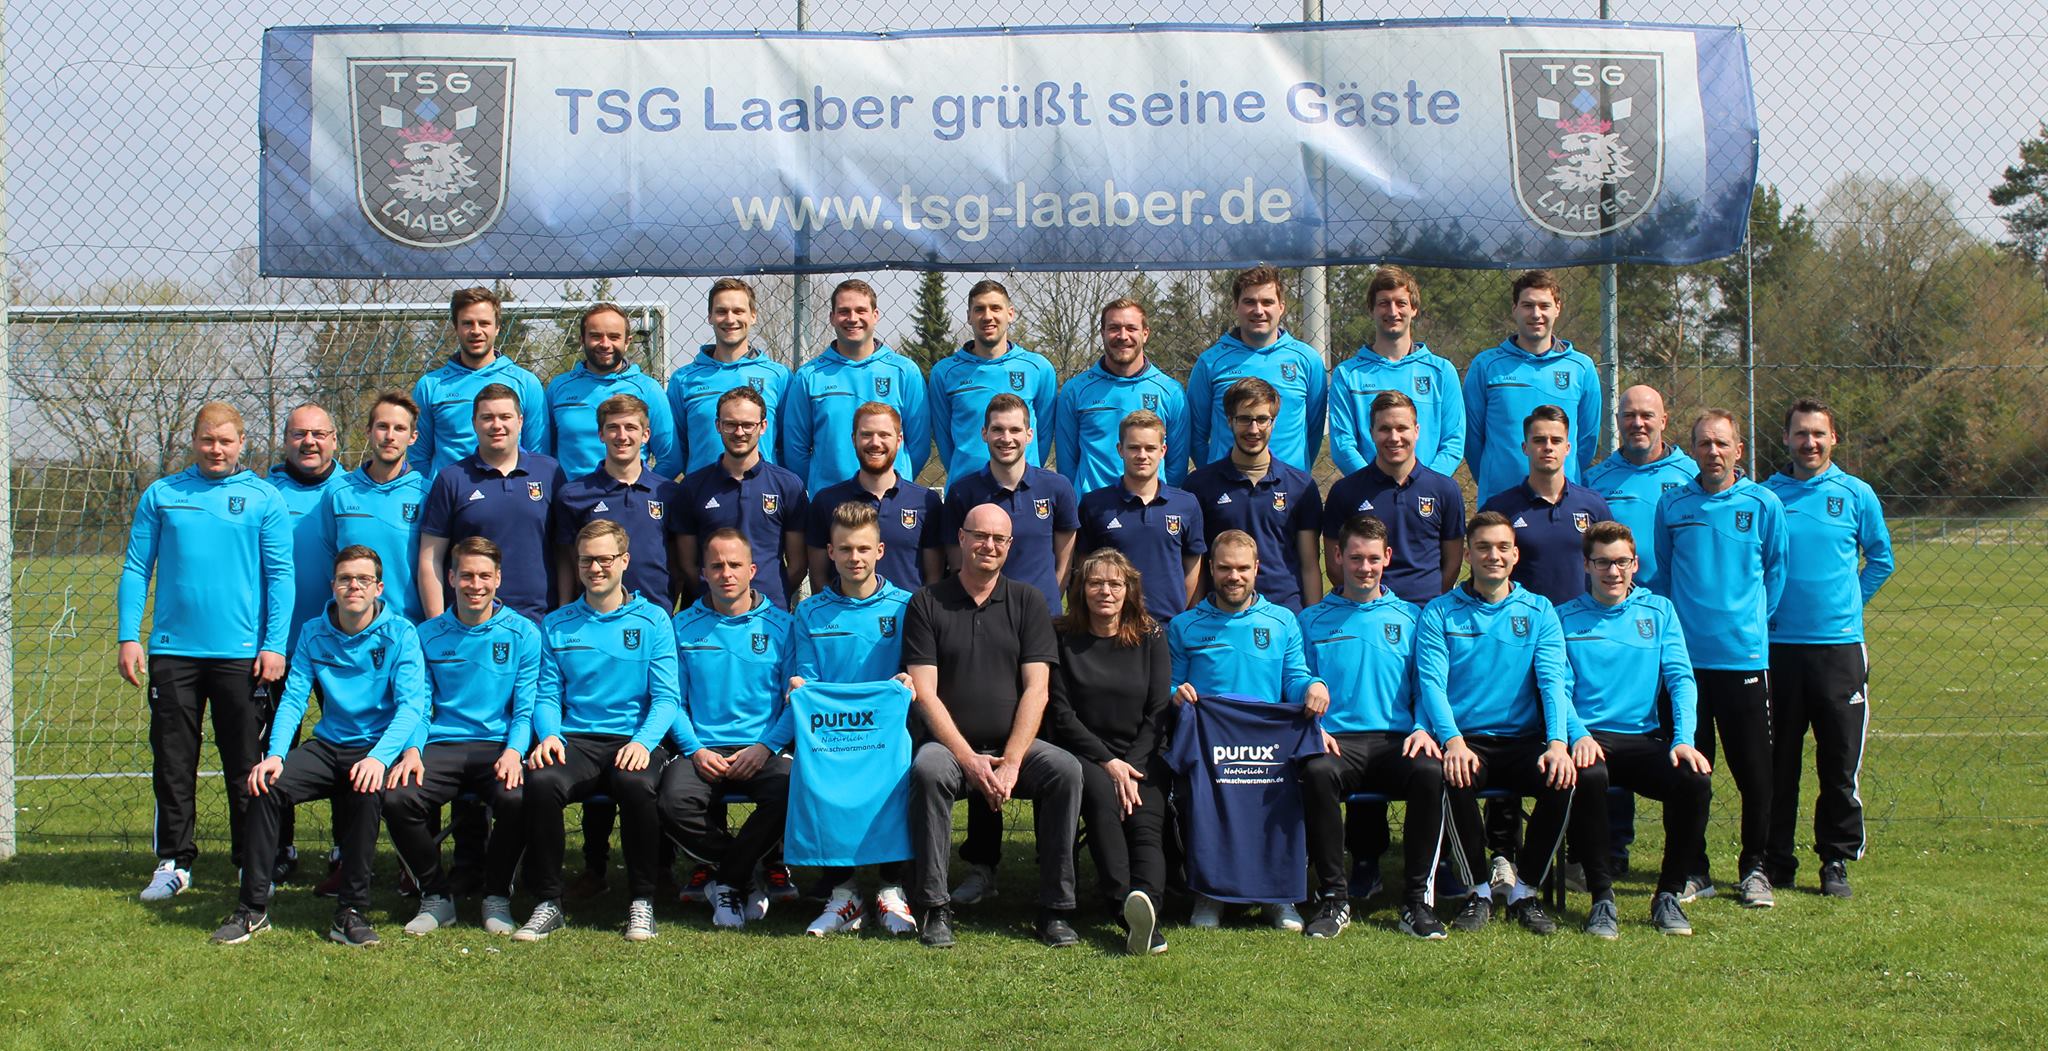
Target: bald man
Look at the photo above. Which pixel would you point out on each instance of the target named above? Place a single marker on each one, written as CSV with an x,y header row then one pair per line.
x,y
1633,479
980,650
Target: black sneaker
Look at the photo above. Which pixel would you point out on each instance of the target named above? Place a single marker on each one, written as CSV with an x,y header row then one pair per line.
x,y
350,928
935,928
1529,913
1333,914
1055,931
286,867
1365,880
1472,916
1418,919
245,924
1834,880
1158,941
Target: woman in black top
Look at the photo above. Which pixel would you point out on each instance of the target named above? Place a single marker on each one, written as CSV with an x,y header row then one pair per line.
x,y
1109,707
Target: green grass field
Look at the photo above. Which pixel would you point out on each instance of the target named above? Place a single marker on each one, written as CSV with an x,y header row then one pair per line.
x,y
1938,949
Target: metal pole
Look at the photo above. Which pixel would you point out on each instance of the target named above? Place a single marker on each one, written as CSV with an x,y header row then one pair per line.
x,y
1749,341
7,737
1610,326
1315,280
800,284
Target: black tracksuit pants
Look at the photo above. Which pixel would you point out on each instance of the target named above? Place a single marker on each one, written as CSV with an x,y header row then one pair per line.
x,y
1372,762
1823,688
180,689
1641,763
692,809
313,770
1510,763
588,769
1736,707
453,769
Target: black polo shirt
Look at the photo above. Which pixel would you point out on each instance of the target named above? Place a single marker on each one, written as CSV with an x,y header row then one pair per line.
x,y
980,651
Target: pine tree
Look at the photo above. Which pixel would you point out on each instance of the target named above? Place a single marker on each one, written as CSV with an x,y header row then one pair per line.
x,y
933,338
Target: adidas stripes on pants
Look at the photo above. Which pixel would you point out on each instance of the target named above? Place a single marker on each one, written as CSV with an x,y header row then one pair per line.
x,y
1822,687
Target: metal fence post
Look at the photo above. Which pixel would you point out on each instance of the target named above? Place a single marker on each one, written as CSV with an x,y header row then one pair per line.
x,y
1315,280
7,845
800,283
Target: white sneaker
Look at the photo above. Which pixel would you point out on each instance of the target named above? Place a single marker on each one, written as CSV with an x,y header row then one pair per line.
x,y
727,908
894,909
1208,912
498,915
1502,878
1283,917
842,913
167,882
640,920
756,903
436,912
979,886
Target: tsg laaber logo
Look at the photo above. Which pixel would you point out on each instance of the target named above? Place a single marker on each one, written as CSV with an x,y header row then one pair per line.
x,y
1586,137
431,142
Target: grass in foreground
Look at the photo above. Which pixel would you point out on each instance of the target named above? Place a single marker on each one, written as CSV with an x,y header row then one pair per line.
x,y
1942,947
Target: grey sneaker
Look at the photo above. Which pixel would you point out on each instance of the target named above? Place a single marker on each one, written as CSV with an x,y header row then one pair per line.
x,y
979,886
498,915
1283,917
1602,921
1472,916
167,882
545,920
1697,888
1834,880
352,929
1529,913
1501,876
435,913
1667,916
640,920
1754,892
1333,914
245,924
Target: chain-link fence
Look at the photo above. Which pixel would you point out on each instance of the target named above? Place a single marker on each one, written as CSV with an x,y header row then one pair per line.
x,y
1875,279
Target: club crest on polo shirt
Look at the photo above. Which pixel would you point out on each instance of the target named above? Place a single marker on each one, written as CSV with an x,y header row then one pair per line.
x,y
533,492
655,510
1744,520
1150,401
1262,637
1042,508
888,625
236,504
1423,383
1425,506
632,636
907,517
760,642
881,386
377,657
1279,501
409,512
501,652
1172,525
1562,378
1016,379
1646,627
1581,520
1521,626
769,503
1392,632
1834,507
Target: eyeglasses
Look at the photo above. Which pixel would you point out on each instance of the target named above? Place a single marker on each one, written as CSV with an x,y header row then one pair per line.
x,y
741,426
598,561
1253,421
1602,565
976,536
300,435
1111,586
350,583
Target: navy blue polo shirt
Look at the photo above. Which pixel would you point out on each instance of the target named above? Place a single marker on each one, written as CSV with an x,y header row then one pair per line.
x,y
1154,534
513,511
1420,516
1551,537
642,508
1284,504
763,504
1043,503
909,516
